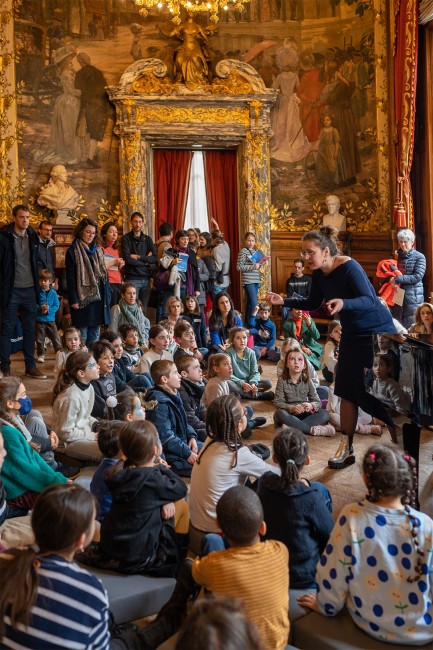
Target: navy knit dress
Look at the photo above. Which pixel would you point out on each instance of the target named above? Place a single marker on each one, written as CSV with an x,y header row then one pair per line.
x,y
362,316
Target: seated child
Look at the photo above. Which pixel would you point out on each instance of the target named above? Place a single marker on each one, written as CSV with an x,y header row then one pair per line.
x,y
330,351
264,339
386,389
168,325
128,407
46,315
132,352
129,310
185,341
385,581
224,461
108,443
158,349
139,382
254,572
292,344
178,438
219,372
303,328
297,512
104,385
296,399
191,392
198,320
71,342
423,319
74,397
364,424
139,524
245,380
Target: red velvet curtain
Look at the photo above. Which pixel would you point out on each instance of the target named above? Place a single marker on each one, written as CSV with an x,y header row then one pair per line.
x,y
221,175
171,171
405,68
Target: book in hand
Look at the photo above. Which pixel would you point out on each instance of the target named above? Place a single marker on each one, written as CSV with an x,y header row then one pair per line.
x,y
259,258
183,260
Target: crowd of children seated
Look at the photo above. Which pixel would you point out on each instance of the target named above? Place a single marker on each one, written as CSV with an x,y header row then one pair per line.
x,y
162,413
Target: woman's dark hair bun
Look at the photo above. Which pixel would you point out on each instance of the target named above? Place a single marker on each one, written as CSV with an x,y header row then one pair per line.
x,y
329,231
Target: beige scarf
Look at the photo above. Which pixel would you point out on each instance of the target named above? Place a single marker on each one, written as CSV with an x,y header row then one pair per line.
x,y
88,275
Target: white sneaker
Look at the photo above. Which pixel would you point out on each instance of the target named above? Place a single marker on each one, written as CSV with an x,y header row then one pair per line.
x,y
326,430
40,359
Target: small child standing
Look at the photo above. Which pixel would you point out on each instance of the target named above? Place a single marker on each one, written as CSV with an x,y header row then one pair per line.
x,y
158,349
178,438
297,512
108,443
104,385
46,315
385,581
191,392
246,380
132,352
296,399
71,342
264,340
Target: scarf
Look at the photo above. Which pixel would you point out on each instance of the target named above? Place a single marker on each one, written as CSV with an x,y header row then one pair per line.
x,y
134,315
90,271
298,328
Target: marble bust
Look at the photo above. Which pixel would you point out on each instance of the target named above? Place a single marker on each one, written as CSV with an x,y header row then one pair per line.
x,y
58,195
334,218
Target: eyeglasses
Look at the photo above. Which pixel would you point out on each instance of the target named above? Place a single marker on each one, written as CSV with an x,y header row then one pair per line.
x,y
306,254
91,365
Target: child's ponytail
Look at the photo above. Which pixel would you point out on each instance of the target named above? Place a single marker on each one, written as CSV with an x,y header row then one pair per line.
x,y
291,451
76,361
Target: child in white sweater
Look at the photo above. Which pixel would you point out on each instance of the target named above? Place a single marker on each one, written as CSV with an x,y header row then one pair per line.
x,y
74,398
158,344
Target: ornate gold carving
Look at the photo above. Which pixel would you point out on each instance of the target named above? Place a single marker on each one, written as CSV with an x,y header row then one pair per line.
x,y
131,171
106,214
148,84
234,84
192,115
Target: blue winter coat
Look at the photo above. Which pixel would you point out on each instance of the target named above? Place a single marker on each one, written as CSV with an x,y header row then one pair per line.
x,y
169,418
96,313
412,265
51,299
7,262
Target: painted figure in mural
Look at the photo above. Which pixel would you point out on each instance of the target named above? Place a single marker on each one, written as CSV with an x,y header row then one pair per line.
x,y
57,194
309,89
330,167
289,143
191,60
95,107
334,218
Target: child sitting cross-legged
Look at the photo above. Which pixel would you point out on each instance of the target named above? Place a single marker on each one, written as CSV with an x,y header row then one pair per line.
x,y
108,443
46,315
185,341
159,341
219,372
296,399
178,438
139,382
378,561
132,352
292,344
266,333
191,392
246,380
104,385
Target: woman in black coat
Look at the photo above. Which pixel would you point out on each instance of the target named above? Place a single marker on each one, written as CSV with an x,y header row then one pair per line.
x,y
412,265
88,286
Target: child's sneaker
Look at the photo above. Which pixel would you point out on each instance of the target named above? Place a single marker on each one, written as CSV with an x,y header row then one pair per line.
x,y
369,429
326,430
41,359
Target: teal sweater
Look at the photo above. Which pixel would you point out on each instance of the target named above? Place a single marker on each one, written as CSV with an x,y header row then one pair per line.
x,y
244,370
23,469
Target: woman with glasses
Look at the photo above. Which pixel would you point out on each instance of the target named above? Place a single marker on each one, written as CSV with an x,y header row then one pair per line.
x,y
341,283
412,265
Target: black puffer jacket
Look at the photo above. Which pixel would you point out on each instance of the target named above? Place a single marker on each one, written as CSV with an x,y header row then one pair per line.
x,y
412,265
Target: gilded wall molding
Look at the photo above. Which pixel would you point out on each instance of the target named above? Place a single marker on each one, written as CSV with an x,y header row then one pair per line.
x,y
184,115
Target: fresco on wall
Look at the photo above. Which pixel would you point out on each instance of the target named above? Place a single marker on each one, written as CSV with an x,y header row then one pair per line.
x,y
317,54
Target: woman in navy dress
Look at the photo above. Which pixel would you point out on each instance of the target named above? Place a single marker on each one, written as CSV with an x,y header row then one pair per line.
x,y
342,284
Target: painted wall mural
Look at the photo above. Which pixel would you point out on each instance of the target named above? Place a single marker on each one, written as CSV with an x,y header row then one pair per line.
x,y
326,58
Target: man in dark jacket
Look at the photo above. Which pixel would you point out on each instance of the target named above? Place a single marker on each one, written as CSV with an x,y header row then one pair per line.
x,y
19,288
139,253
46,247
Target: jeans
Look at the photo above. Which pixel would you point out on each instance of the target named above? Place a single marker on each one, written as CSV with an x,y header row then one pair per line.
x,y
302,422
142,286
264,385
251,292
213,542
38,430
90,334
24,301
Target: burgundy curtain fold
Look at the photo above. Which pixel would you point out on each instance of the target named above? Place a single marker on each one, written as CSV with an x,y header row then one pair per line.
x,y
221,176
405,70
171,172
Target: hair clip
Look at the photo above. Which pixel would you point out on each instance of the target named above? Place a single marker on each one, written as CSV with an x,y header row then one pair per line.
x,y
407,458
372,456
290,461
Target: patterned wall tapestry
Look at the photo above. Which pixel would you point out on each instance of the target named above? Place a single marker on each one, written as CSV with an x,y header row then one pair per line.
x,y
325,57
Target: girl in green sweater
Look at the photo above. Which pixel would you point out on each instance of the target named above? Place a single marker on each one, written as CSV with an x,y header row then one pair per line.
x,y
245,380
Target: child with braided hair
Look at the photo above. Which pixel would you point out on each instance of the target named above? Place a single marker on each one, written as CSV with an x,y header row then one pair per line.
x,y
297,512
378,561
